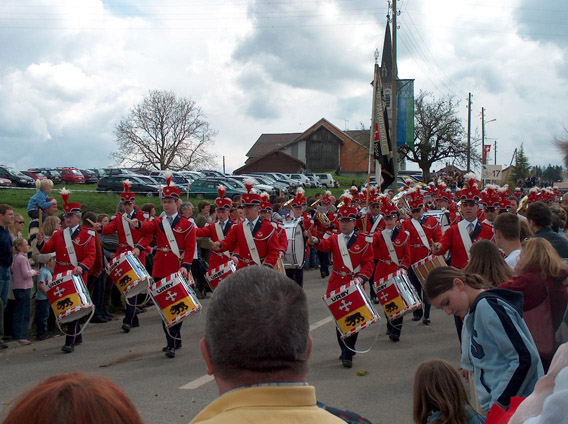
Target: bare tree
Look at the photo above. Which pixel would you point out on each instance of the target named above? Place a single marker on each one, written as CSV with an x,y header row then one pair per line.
x,y
438,134
561,144
164,132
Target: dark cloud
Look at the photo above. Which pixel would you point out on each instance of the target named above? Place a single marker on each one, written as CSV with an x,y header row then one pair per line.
x,y
543,21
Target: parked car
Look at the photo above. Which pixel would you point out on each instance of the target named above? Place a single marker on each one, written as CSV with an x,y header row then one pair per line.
x,y
177,177
99,172
71,176
326,180
52,174
207,188
263,179
16,177
183,188
36,175
211,173
275,179
90,176
256,185
140,184
301,178
5,182
314,183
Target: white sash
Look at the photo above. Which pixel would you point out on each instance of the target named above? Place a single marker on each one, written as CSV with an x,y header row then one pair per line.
x,y
421,233
221,236
170,236
464,234
344,252
390,246
250,243
376,224
70,247
127,232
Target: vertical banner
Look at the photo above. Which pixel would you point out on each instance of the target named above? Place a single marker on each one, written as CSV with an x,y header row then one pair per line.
x,y
405,115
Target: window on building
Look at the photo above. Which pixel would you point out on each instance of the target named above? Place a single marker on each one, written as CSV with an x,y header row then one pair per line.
x,y
387,93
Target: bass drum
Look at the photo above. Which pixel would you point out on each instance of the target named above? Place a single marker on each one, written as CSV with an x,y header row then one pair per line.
x,y
294,258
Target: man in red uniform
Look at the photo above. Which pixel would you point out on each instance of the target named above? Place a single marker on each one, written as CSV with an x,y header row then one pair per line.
x,y
218,230
391,249
298,215
490,199
322,229
75,251
253,241
423,230
444,201
129,240
459,237
357,265
266,214
374,221
175,249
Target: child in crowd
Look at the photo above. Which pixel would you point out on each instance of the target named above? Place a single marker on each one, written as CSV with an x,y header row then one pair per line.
x,y
496,343
39,199
23,283
439,396
42,303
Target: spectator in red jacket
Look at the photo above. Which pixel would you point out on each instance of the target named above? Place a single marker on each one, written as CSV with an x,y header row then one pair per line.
x,y
540,275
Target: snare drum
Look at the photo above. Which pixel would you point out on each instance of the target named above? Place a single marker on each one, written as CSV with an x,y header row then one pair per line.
x,y
351,309
216,275
174,298
423,267
128,274
69,298
294,258
397,295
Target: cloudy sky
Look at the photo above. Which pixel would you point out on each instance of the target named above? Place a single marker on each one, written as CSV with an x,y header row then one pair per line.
x,y
70,70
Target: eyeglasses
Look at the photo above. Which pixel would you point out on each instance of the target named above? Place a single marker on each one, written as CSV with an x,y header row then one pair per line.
x,y
20,222
416,210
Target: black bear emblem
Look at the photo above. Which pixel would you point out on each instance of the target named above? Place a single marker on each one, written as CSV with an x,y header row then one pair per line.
x,y
179,308
391,307
65,303
354,319
124,281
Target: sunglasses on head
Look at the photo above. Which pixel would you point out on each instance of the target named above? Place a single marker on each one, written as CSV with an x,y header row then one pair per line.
x,y
20,222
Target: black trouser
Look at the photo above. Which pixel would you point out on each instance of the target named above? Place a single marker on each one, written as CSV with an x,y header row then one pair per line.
x,y
394,327
324,261
372,279
72,328
131,313
345,344
173,337
418,287
297,275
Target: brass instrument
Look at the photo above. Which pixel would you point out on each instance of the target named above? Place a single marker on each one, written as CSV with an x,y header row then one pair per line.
x,y
317,202
323,218
288,202
523,205
402,203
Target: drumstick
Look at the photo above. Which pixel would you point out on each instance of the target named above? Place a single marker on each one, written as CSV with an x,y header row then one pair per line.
x,y
40,219
90,222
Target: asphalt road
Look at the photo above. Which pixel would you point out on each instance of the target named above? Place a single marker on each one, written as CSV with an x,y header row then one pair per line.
x,y
175,390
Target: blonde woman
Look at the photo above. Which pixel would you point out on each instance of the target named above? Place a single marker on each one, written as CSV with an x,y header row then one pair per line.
x,y
39,199
15,228
540,275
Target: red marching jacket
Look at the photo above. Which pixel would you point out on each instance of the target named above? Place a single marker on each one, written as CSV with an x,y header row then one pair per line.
x,y
217,258
266,241
361,254
165,261
141,240
370,222
385,266
453,242
433,233
85,250
282,237
318,230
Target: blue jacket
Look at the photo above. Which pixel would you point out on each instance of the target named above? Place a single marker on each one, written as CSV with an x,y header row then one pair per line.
x,y
499,348
38,201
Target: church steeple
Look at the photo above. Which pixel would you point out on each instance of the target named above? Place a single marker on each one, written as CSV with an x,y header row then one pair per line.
x,y
386,61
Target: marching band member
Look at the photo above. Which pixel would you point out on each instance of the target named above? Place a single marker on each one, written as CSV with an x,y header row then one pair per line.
x,y
353,261
423,230
459,237
75,251
391,249
375,224
129,240
175,249
444,200
322,228
306,223
490,201
217,231
254,241
266,214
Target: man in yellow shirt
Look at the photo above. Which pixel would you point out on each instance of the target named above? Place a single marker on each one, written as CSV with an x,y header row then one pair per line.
x,y
256,346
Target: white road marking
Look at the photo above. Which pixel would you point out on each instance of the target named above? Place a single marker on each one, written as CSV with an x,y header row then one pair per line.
x,y
204,379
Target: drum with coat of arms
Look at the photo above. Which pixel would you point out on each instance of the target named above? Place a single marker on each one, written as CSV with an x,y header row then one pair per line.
x,y
174,298
68,296
397,295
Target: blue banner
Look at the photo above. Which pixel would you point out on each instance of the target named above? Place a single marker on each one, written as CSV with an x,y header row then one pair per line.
x,y
405,113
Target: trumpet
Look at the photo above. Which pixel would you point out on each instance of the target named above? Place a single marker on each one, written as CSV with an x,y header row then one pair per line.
x,y
402,203
323,218
523,205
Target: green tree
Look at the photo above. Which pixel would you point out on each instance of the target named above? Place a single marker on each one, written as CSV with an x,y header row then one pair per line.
x,y
439,134
522,168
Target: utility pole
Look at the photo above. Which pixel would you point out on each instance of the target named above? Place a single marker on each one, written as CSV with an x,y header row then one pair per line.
x,y
469,132
482,136
495,152
394,98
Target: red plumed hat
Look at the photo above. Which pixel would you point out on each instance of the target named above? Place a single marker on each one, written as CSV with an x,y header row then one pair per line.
x,y
265,205
415,198
250,198
299,199
470,190
170,191
327,197
222,201
127,195
69,207
387,207
347,211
